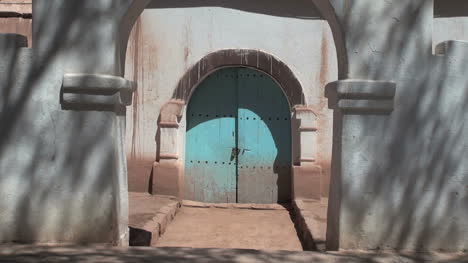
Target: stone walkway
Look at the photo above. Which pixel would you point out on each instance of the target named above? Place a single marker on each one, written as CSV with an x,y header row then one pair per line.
x,y
149,216
96,254
311,221
232,228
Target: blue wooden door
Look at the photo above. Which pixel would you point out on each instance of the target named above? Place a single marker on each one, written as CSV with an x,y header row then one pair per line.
x,y
264,140
210,168
238,144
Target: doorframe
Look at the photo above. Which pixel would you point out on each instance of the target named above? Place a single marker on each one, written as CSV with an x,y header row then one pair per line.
x,y
168,169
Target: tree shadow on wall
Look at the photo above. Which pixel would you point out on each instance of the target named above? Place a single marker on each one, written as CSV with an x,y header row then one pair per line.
x,y
56,166
80,254
413,181
50,157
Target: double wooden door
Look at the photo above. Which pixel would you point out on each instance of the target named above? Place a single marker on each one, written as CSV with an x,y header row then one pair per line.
x,y
238,140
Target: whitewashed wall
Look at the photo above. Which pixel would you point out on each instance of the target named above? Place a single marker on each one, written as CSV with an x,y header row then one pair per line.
x,y
168,40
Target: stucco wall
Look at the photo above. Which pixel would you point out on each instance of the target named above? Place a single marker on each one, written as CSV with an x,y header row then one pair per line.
x,y
401,177
60,168
170,38
47,180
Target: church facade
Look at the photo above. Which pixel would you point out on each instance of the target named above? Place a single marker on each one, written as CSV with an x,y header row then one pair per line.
x,y
359,104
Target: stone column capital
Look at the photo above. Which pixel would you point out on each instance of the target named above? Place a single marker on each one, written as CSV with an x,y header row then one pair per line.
x,y
355,96
81,91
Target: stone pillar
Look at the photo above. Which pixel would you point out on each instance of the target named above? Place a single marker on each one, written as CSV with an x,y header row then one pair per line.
x,y
85,42
307,175
167,170
363,108
108,94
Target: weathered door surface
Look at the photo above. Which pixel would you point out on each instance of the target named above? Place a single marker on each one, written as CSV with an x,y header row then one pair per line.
x,y
238,142
210,170
264,140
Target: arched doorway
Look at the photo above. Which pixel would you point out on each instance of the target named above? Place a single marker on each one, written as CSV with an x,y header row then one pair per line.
x,y
238,139
168,170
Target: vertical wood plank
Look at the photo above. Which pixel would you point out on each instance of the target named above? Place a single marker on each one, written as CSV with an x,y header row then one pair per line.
x,y
210,175
264,140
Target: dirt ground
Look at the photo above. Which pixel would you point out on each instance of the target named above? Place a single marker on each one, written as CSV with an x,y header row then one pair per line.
x,y
232,228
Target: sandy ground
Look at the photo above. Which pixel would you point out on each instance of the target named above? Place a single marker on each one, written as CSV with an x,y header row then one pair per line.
x,y
231,228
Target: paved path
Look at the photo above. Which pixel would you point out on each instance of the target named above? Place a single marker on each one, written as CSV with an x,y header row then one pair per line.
x,y
231,228
96,254
149,216
143,207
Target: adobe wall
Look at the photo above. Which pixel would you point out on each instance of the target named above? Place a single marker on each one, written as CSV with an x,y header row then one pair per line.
x,y
62,166
169,38
399,179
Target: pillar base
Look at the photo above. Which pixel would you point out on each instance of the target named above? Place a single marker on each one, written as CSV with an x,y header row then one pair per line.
x,y
167,178
307,180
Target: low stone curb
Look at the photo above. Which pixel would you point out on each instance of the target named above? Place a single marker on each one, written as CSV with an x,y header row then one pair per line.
x,y
308,227
158,224
188,203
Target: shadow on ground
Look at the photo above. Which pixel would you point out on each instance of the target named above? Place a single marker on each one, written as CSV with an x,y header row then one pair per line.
x,y
25,254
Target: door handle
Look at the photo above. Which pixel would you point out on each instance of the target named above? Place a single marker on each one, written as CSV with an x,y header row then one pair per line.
x,y
234,153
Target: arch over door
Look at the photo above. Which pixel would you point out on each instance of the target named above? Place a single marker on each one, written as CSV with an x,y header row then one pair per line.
x,y
238,142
